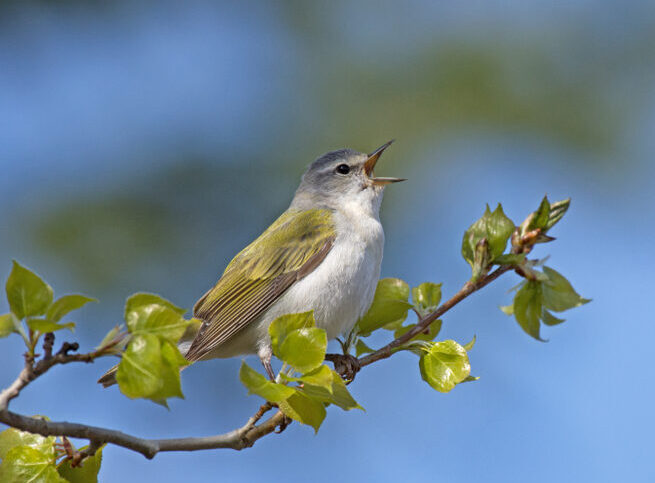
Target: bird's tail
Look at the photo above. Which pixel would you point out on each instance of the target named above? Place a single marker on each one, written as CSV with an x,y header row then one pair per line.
x,y
109,377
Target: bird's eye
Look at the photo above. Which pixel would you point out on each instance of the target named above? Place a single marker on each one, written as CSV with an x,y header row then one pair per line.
x,y
343,169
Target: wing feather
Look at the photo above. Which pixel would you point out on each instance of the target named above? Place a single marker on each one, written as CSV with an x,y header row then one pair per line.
x,y
291,248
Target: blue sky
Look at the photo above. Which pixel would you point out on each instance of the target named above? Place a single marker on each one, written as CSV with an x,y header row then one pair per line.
x,y
92,100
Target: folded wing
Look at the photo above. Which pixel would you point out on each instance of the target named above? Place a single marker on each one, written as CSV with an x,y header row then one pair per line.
x,y
291,248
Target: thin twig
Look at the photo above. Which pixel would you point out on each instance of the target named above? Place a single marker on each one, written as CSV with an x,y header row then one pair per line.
x,y
465,291
238,439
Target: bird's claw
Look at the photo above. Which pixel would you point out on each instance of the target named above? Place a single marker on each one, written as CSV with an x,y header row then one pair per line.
x,y
345,364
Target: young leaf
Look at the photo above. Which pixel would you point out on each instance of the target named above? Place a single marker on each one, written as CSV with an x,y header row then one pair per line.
x,y
12,437
44,325
258,384
495,227
362,348
304,409
541,215
26,464
507,309
116,338
171,364
527,308
336,393
321,376
304,349
468,347
390,304
6,325
140,369
426,297
27,294
66,304
87,472
558,293
549,319
325,385
444,365
140,299
281,327
557,211
158,320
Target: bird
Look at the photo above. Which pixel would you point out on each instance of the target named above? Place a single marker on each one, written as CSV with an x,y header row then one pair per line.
x,y
323,254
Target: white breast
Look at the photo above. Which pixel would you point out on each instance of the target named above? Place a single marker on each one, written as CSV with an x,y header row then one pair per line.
x,y
339,291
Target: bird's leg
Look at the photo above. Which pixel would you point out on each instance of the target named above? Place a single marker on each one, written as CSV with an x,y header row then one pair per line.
x,y
346,365
265,355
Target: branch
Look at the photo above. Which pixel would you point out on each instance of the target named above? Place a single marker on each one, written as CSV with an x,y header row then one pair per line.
x,y
240,438
465,291
243,437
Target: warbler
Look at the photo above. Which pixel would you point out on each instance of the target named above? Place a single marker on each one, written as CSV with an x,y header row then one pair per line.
x,y
323,254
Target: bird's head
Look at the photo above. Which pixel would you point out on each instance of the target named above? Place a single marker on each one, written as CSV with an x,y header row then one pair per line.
x,y
343,177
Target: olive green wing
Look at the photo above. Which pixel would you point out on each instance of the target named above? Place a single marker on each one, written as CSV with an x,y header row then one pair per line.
x,y
291,248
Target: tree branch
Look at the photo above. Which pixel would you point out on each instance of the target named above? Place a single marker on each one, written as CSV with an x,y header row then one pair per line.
x,y
240,438
465,291
243,437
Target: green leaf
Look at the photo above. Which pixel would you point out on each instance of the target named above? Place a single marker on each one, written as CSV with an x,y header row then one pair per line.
x,y
12,437
470,379
527,308
7,325
44,325
172,362
65,305
26,464
558,293
304,409
282,326
390,305
545,217
426,297
433,330
469,346
117,337
340,395
158,320
87,472
140,369
321,376
549,319
304,349
541,215
258,384
444,365
557,211
507,309
27,294
362,348
495,227
140,299
325,385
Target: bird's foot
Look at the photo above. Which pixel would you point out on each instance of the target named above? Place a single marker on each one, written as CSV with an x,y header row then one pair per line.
x,y
345,364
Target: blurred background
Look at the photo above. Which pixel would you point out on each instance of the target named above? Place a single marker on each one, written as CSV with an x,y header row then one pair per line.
x,y
142,144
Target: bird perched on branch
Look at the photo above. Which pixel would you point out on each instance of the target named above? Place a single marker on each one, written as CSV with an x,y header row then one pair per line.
x,y
323,254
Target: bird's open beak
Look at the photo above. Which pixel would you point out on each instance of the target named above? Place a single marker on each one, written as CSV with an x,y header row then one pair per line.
x,y
370,164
